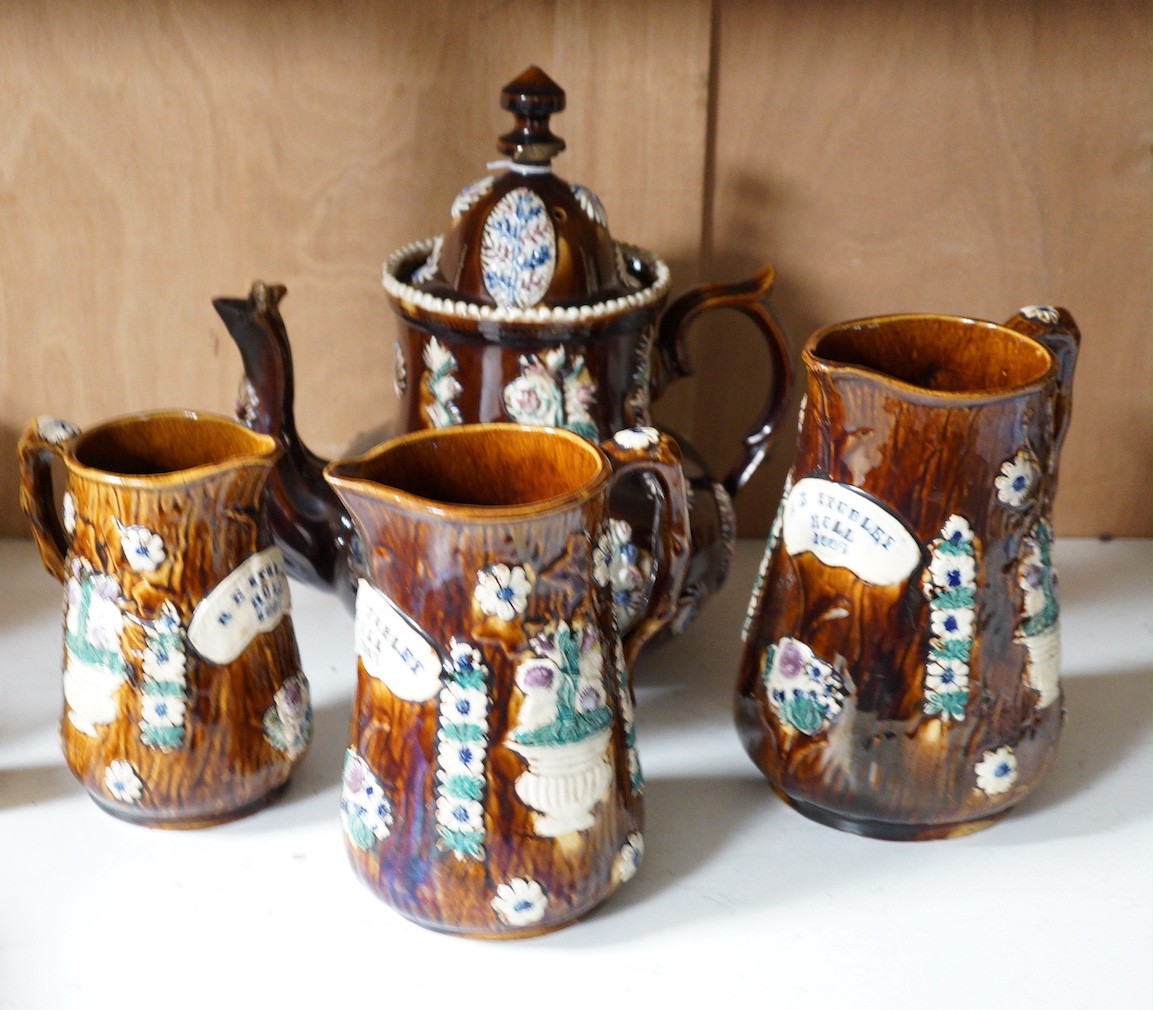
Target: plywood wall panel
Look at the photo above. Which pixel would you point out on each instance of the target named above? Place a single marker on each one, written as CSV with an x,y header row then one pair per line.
x,y
953,157
155,155
960,157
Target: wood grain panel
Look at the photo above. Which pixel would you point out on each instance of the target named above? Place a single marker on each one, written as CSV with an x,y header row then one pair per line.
x,y
895,155
158,154
951,157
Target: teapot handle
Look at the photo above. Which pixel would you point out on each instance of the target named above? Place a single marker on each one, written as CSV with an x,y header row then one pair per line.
x,y
646,451
672,359
42,440
1054,327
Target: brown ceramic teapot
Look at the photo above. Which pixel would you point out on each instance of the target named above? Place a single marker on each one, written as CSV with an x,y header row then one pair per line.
x,y
525,310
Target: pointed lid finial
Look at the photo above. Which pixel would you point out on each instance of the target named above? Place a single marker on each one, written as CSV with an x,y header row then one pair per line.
x,y
532,97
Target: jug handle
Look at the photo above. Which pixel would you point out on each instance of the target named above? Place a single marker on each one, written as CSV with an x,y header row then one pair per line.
x,y
44,439
1054,327
647,451
672,358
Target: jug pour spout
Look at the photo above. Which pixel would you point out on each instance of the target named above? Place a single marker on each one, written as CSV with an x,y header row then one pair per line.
x,y
307,519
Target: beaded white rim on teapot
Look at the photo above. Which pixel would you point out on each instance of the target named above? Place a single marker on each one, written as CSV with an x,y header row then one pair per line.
x,y
403,292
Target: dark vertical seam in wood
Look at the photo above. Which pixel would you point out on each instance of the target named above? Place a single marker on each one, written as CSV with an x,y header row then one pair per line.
x,y
709,176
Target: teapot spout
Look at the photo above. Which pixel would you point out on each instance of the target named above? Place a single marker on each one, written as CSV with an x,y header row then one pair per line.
x,y
308,521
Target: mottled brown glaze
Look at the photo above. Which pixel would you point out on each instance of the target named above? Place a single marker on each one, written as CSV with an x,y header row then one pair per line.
x,y
307,520
630,357
921,415
438,512
587,268
195,482
593,326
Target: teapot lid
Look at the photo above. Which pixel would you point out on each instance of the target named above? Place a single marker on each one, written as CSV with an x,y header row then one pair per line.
x,y
526,242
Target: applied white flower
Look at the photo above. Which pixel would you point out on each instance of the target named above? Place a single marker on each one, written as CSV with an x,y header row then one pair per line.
x,y
460,757
996,771
502,591
520,902
637,438
535,398
162,710
629,858
365,810
953,571
463,705
946,676
953,625
1017,480
122,782
69,512
459,814
53,430
957,532
143,549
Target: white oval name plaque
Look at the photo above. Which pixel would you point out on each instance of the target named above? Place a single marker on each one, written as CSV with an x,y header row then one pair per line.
x,y
248,601
844,528
392,649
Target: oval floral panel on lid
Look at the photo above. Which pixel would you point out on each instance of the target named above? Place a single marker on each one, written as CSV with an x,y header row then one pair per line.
x,y
518,249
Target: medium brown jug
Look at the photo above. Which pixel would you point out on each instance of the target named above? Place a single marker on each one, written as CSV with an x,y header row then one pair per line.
x,y
492,785
899,673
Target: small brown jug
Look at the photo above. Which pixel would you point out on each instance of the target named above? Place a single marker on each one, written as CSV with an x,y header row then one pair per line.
x,y
492,786
184,702
899,675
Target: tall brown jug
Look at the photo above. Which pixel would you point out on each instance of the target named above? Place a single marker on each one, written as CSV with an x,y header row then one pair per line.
x,y
899,674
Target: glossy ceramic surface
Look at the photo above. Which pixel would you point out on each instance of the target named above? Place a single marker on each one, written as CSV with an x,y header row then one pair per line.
x,y
492,785
524,309
184,701
900,669
521,239
585,343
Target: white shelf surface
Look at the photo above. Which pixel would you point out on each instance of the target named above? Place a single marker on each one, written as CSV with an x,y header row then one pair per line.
x,y
739,900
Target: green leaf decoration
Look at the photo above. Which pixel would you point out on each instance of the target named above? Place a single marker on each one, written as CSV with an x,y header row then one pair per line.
x,y
585,429
462,732
162,737
571,724
951,704
468,844
471,678
803,713
957,649
951,549
464,787
162,688
79,644
957,598
360,834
